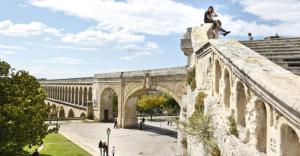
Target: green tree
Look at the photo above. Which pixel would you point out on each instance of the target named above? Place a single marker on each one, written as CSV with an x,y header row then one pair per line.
x,y
151,102
22,111
170,105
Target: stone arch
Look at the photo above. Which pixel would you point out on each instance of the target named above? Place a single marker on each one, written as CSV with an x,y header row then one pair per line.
x,y
61,93
69,95
290,144
66,94
51,92
129,119
218,74
76,95
54,109
80,96
84,96
73,96
227,89
54,106
56,93
90,94
241,104
61,113
106,104
261,130
82,116
71,114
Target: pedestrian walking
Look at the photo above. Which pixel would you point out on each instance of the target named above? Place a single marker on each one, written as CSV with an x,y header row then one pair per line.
x,y
116,124
100,147
113,151
143,120
104,147
141,125
106,150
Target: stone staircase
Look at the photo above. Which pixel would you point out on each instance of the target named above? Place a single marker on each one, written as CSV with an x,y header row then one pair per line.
x,y
282,51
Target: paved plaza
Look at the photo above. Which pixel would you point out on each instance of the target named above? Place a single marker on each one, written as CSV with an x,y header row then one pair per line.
x,y
157,139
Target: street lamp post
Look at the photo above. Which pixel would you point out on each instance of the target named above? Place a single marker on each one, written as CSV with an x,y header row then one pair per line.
x,y
108,133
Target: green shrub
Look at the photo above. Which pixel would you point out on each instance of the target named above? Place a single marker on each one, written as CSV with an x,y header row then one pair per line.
x,y
184,142
200,126
232,126
200,101
191,78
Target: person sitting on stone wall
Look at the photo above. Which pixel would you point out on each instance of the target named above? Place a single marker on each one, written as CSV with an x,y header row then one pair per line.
x,y
208,18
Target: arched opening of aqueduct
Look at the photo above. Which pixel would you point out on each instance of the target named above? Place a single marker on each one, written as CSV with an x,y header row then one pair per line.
x,y
290,143
61,113
241,104
130,114
108,104
71,114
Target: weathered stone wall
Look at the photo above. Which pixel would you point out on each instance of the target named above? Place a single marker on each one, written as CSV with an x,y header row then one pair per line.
x,y
238,82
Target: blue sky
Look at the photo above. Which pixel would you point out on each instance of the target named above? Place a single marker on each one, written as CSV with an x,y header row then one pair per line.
x,y
78,38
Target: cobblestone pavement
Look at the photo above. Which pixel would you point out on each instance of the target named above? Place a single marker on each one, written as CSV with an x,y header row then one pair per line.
x,y
156,140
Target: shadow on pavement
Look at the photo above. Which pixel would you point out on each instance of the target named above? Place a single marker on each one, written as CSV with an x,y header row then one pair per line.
x,y
161,131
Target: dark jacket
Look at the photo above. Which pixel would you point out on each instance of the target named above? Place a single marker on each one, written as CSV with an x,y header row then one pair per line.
x,y
100,144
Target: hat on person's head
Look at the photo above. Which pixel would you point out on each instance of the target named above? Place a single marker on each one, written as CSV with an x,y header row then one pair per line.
x,y
211,7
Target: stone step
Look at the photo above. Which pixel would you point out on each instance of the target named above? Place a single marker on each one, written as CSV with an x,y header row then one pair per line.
x,y
279,52
268,45
286,46
272,42
284,57
287,62
297,39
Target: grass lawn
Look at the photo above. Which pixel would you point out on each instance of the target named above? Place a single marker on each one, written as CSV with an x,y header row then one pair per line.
x,y
57,145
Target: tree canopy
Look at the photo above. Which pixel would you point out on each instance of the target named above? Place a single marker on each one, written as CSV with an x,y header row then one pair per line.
x,y
22,110
158,103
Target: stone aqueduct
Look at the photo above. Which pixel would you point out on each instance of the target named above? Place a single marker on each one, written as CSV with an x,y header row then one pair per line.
x,y
263,97
92,97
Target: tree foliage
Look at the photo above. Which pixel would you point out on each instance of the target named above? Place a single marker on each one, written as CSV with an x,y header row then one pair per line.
x,y
171,106
151,103
22,110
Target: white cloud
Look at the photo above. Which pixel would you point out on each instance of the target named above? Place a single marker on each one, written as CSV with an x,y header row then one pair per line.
x,y
279,10
157,17
100,37
2,57
138,51
71,47
22,5
62,60
131,57
154,17
47,38
284,12
12,47
7,52
8,28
